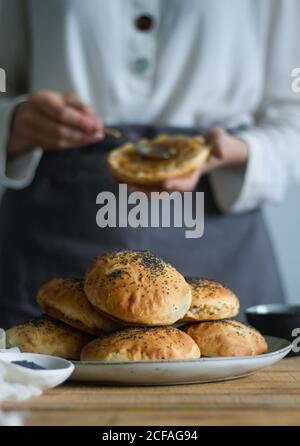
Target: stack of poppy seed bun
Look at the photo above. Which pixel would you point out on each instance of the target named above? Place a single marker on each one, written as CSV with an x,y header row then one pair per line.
x,y
125,309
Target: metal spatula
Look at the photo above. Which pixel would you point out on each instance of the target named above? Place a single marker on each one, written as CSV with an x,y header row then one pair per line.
x,y
156,152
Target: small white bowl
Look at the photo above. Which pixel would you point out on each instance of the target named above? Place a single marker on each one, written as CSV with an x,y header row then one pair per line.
x,y
56,370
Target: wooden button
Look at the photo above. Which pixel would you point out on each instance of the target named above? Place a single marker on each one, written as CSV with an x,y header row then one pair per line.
x,y
141,65
144,22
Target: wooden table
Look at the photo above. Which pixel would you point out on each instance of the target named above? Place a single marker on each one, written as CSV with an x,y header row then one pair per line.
x,y
270,397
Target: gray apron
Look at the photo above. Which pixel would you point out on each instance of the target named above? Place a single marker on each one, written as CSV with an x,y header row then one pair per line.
x,y
48,229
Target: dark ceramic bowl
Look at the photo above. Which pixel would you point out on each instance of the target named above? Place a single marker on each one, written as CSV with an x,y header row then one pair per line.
x,y
277,320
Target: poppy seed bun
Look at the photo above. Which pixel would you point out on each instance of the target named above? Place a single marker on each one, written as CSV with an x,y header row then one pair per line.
x,y
187,154
64,299
140,344
137,288
49,337
210,301
227,338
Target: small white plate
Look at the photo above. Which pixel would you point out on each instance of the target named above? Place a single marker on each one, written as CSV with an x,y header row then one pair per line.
x,y
57,370
201,370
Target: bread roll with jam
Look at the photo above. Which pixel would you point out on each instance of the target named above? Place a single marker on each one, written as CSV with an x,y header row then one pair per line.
x,y
185,154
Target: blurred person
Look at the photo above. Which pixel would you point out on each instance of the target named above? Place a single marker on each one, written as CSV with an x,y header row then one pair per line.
x,y
144,66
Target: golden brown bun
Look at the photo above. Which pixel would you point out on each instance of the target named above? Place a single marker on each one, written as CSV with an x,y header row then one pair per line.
x,y
188,154
49,337
227,338
64,299
210,301
142,344
137,288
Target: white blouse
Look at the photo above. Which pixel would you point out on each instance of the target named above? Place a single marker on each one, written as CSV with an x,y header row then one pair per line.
x,y
203,63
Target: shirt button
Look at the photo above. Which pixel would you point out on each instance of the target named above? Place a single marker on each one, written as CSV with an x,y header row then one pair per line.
x,y
141,65
144,22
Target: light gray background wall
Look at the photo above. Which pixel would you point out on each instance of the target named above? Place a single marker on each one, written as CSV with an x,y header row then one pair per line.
x,y
284,222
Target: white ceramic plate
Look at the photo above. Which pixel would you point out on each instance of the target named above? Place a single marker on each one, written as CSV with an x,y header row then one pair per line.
x,y
180,372
57,370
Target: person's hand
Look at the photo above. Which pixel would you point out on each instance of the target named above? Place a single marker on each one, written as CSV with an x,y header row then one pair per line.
x,y
52,121
227,150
